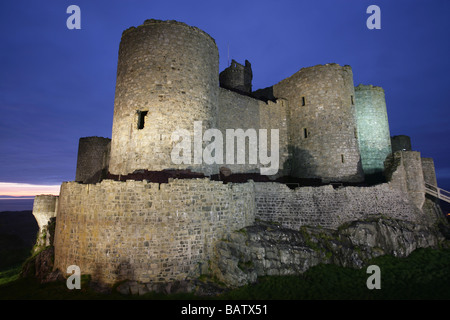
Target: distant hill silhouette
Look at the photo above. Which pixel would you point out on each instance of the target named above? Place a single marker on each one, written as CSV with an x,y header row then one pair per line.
x,y
18,231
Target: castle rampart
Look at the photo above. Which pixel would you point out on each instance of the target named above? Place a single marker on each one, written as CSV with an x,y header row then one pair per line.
x,y
45,208
147,232
328,207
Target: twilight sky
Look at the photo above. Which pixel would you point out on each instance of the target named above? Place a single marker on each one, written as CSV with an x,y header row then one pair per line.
x,y
57,85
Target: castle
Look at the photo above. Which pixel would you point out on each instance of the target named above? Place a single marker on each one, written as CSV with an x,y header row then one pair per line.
x,y
337,161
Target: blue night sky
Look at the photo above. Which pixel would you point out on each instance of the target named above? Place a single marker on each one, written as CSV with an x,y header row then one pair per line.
x,y
57,85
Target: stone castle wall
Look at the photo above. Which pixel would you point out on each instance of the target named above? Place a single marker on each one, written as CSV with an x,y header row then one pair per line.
x,y
328,207
167,78
238,111
429,172
404,171
373,128
45,208
237,77
93,159
147,232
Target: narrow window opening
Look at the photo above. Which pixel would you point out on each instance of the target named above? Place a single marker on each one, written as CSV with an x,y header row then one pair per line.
x,y
351,97
141,119
303,101
305,133
342,158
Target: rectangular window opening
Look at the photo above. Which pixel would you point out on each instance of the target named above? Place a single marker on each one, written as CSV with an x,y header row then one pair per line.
x,y
305,133
303,101
351,97
141,119
342,158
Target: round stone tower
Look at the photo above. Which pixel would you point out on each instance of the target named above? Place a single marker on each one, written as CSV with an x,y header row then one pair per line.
x,y
167,78
401,143
44,209
237,77
322,123
373,128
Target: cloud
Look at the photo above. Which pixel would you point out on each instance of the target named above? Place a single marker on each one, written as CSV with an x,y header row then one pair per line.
x,y
24,190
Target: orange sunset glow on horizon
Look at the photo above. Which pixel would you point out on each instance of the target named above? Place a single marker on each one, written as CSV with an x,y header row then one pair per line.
x,y
26,190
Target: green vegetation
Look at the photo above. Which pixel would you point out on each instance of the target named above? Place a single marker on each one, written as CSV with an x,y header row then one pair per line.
x,y
244,266
10,275
425,274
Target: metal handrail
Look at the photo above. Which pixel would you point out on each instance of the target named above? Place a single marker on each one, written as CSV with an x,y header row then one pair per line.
x,y
437,192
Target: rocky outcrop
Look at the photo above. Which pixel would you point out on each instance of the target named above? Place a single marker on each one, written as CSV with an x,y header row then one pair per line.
x,y
40,267
269,249
195,286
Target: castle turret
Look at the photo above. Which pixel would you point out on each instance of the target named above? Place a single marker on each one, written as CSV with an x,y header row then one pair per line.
x,y
322,123
167,78
373,128
93,158
401,143
237,77
45,208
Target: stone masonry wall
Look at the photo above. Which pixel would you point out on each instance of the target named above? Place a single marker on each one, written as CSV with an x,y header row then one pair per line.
x,y
429,172
373,127
328,207
404,171
274,115
167,78
322,124
44,209
93,159
238,111
147,232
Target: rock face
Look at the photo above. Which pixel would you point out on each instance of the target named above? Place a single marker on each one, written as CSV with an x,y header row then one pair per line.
x,y
40,267
268,249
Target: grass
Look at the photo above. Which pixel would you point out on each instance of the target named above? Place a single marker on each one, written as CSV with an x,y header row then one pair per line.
x,y
425,274
10,275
